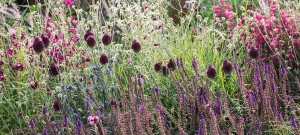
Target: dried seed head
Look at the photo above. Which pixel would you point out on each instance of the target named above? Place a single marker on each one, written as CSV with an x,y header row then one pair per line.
x,y
46,40
91,41
253,52
165,70
56,105
157,66
136,46
171,64
53,69
106,39
211,72
103,59
227,67
38,45
88,33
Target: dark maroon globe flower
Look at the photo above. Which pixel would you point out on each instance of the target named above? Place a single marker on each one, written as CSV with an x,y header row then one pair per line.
x,y
171,64
165,70
106,39
136,46
56,105
227,67
211,72
91,41
87,34
103,59
253,52
38,45
157,66
54,69
46,40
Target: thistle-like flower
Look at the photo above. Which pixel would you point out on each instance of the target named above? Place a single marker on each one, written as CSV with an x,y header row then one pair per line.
x,y
54,69
211,72
103,59
157,66
165,70
46,40
91,41
88,33
106,39
136,46
56,105
38,45
171,64
253,52
227,67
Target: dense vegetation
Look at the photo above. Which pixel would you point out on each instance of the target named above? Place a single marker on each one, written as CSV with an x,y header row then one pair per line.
x,y
150,67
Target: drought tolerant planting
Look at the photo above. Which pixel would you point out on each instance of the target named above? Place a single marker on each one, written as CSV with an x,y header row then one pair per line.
x,y
157,67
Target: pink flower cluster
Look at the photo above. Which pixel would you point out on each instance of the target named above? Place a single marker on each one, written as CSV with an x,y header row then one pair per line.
x,y
273,30
223,10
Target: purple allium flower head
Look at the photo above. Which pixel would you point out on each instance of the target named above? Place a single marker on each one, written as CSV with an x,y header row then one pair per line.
x,y
171,64
157,66
211,72
38,45
56,105
103,59
106,39
31,123
253,52
91,41
227,66
54,69
88,33
46,40
44,111
113,103
165,70
136,46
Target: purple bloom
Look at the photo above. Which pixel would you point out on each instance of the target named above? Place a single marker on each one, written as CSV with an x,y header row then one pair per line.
x,y
211,72
253,52
38,45
171,64
194,63
46,40
157,66
44,111
106,39
78,126
155,89
56,105
165,70
66,122
31,123
136,46
91,41
88,33
103,59
183,97
54,69
45,132
227,66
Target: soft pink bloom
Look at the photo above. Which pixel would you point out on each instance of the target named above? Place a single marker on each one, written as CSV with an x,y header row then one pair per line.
x,y
69,2
129,60
93,119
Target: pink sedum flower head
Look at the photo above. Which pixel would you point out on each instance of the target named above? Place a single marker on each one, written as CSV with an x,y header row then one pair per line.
x,y
69,2
93,119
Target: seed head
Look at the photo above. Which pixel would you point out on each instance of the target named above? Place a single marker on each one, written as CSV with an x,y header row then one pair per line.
x,y
88,33
91,41
106,39
227,67
165,70
171,64
253,53
53,69
38,45
56,105
211,72
46,40
157,66
136,46
103,59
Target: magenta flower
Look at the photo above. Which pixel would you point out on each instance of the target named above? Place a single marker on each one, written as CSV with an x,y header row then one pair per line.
x,y
69,2
93,119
